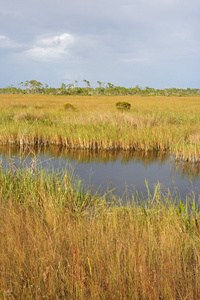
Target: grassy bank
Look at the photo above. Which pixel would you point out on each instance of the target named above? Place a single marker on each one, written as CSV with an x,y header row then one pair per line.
x,y
169,124
59,243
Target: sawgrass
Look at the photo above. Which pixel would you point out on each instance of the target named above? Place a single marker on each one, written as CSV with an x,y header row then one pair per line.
x,y
59,242
169,124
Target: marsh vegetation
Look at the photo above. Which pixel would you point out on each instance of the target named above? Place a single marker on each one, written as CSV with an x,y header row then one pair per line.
x,y
152,123
59,241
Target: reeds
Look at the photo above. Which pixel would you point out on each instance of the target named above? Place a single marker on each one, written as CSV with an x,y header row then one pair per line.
x,y
58,241
153,123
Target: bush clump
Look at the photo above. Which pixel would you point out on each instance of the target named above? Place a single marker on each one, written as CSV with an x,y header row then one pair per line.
x,y
70,107
123,106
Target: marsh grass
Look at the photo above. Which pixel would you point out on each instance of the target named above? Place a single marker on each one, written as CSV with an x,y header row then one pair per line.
x,y
152,124
59,242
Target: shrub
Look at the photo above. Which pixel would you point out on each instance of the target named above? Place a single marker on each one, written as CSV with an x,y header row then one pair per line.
x,y
123,106
69,106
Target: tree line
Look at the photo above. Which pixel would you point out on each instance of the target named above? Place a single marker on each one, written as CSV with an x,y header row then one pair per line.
x,y
36,87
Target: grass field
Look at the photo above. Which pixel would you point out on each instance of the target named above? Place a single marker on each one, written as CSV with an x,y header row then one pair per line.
x,y
169,124
59,243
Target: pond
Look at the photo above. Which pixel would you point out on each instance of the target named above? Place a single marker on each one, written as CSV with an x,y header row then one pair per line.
x,y
122,172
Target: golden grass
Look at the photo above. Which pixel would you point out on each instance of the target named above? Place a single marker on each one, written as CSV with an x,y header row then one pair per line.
x,y
55,244
168,124
58,242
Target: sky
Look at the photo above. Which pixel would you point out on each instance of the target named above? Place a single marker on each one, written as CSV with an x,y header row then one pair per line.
x,y
153,43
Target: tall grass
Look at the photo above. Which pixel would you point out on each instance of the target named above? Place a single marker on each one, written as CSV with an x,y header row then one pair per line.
x,y
153,123
58,242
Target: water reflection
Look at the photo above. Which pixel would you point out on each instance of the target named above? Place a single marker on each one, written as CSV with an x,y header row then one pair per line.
x,y
122,171
88,156
184,168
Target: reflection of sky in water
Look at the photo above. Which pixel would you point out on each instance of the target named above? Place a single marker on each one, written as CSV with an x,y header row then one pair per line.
x,y
116,174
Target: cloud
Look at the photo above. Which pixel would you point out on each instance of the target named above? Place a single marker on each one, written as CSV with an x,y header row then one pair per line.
x,y
6,42
50,48
121,41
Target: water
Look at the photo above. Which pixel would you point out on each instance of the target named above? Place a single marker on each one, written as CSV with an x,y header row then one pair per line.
x,y
123,172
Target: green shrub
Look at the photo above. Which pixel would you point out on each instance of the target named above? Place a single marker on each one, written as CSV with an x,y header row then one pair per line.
x,y
70,107
123,106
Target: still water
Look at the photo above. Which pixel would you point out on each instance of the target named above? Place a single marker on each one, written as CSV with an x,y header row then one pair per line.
x,y
123,172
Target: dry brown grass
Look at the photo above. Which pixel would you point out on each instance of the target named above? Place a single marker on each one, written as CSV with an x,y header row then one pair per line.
x,y
49,252
153,123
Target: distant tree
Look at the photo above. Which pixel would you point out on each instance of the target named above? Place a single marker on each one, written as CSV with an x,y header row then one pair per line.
x,y
33,84
100,83
100,90
110,85
70,86
63,86
46,88
21,83
38,86
27,85
87,83
138,88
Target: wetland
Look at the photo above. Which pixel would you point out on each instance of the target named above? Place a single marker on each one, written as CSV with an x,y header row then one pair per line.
x,y
97,203
122,172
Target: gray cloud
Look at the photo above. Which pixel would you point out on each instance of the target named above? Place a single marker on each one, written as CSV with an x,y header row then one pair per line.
x,y
126,42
